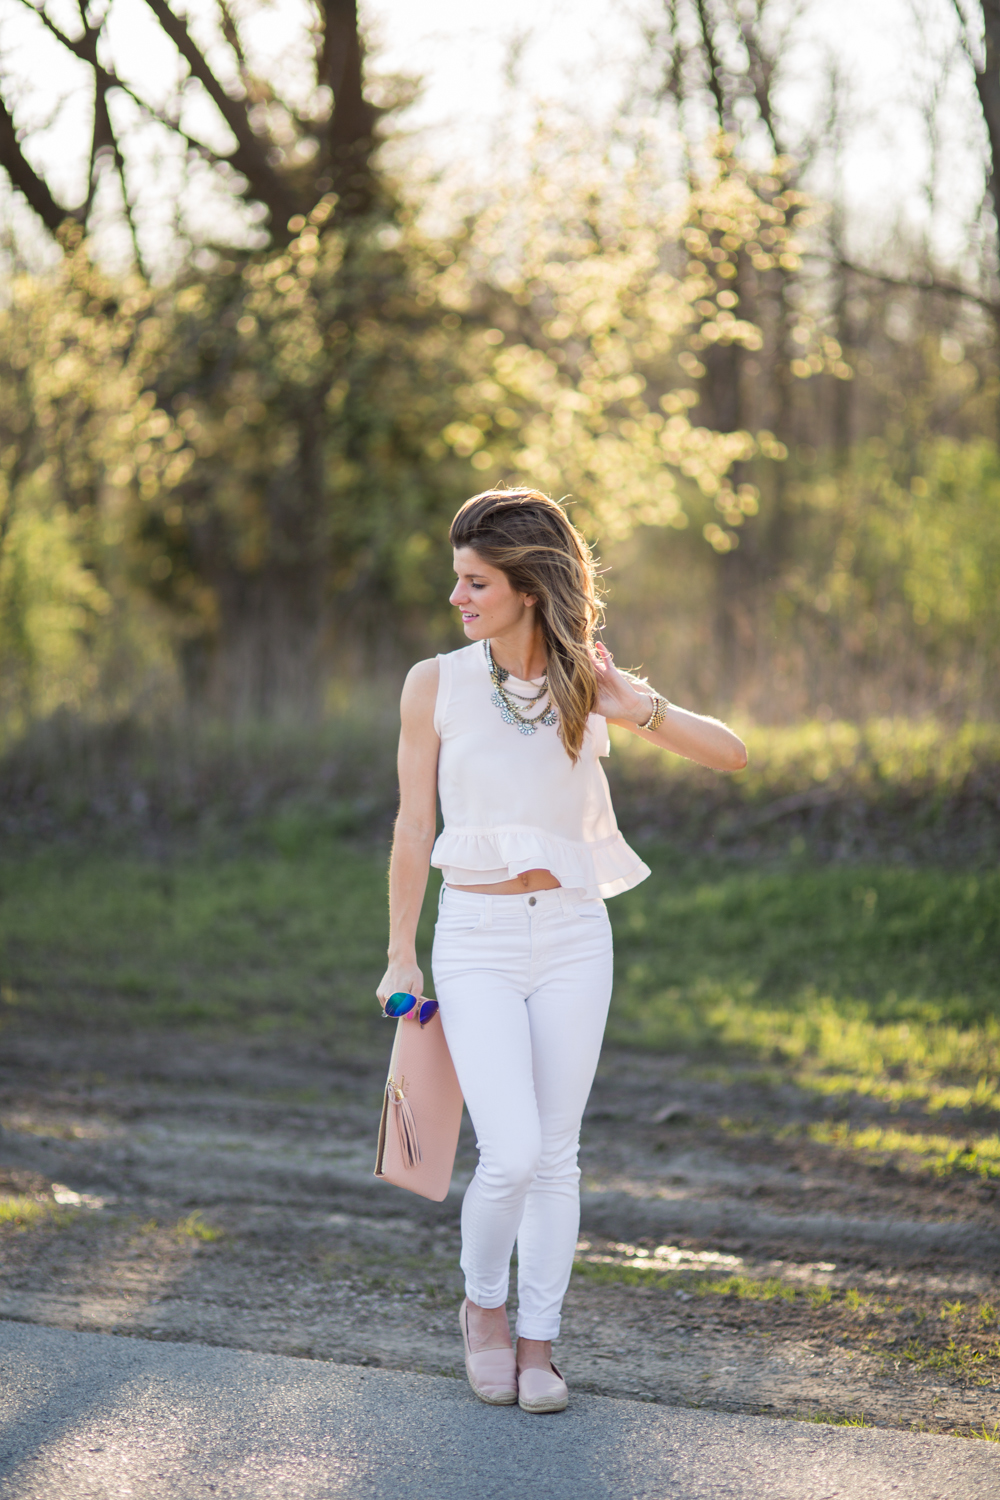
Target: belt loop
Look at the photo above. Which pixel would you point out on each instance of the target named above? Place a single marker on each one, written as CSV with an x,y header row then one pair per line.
x,y
444,887
564,901
488,914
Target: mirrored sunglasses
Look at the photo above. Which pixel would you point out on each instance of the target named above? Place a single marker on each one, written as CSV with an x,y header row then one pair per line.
x,y
401,1004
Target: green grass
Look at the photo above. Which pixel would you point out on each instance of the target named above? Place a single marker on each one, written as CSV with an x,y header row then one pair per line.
x,y
961,1360
898,788
831,1419
940,1154
193,1227
273,939
746,1288
21,1212
880,980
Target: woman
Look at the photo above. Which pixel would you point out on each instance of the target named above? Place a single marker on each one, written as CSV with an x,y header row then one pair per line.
x,y
508,731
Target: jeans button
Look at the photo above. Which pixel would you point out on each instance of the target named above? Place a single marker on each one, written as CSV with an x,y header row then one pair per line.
x,y
532,901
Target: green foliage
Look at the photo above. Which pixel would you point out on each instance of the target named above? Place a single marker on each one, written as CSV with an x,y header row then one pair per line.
x,y
77,352
294,426
892,997
899,555
309,388
889,790
877,758
602,290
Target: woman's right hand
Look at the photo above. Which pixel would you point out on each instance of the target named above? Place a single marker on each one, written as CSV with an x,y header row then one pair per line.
x,y
401,978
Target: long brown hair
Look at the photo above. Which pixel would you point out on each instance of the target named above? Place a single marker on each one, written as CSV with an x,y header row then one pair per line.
x,y
530,538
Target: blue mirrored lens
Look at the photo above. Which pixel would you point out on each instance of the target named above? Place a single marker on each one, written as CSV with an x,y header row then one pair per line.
x,y
428,1011
399,1004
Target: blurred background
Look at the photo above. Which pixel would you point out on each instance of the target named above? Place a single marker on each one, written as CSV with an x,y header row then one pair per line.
x,y
282,283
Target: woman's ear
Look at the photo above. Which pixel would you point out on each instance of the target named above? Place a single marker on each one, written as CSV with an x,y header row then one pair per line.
x,y
528,600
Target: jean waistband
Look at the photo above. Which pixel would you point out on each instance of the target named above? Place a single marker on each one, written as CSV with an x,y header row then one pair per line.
x,y
531,903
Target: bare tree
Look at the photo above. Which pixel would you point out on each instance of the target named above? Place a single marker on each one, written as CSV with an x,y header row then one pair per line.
x,y
336,139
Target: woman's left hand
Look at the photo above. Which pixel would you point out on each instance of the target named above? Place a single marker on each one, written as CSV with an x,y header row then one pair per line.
x,y
616,697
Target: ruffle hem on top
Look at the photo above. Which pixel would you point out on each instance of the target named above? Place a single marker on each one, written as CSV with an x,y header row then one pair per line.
x,y
603,868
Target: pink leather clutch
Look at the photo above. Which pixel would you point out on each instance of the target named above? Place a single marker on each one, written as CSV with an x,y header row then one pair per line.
x,y
421,1111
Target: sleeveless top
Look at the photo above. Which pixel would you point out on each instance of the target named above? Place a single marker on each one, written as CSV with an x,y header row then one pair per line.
x,y
514,802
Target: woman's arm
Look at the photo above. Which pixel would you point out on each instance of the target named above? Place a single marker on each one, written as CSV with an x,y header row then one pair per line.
x,y
694,736
416,823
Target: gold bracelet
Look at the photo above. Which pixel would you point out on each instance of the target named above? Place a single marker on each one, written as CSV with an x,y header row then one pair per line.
x,y
657,713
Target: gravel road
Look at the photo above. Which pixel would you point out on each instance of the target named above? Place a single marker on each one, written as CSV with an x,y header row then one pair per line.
x,y
220,1192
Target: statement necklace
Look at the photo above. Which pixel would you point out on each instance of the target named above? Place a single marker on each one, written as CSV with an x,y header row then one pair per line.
x,y
509,711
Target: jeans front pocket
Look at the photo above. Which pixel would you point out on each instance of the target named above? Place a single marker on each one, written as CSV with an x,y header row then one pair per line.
x,y
592,911
459,924
460,912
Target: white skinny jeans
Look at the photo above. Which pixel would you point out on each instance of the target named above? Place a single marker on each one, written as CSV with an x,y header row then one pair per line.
x,y
524,984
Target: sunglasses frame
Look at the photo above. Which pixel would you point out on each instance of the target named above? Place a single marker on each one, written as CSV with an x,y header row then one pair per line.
x,y
399,1014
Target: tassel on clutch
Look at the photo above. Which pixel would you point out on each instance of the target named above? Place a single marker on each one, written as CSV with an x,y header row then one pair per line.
x,y
421,1112
406,1126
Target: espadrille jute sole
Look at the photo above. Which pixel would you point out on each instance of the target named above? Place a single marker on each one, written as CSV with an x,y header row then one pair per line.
x,y
541,1391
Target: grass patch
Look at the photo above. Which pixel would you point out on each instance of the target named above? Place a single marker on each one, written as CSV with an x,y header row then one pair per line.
x,y
958,1361
878,981
835,1419
876,756
940,1154
257,942
606,1271
891,787
194,1228
18,1211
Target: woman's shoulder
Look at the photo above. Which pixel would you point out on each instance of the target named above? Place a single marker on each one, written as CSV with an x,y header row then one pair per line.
x,y
422,678
458,668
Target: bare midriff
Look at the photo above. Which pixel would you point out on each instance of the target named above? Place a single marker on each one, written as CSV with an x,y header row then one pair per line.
x,y
530,880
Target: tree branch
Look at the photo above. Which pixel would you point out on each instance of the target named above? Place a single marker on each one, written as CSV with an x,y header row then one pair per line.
x,y
350,136
912,283
763,65
27,181
250,157
102,142
50,25
712,57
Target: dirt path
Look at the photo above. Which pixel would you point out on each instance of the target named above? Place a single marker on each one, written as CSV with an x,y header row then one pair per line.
x,y
222,1192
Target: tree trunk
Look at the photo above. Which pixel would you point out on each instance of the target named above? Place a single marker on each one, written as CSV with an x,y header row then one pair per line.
x,y
265,662
988,89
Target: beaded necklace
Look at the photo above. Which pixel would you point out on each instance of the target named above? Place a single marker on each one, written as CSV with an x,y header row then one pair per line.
x,y
503,698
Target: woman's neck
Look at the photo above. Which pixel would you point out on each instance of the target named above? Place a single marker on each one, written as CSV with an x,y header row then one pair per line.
x,y
520,652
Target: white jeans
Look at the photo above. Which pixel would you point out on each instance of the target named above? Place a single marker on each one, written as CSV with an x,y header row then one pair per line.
x,y
524,984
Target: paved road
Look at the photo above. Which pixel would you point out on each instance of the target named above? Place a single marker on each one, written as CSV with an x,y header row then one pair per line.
x,y
87,1416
